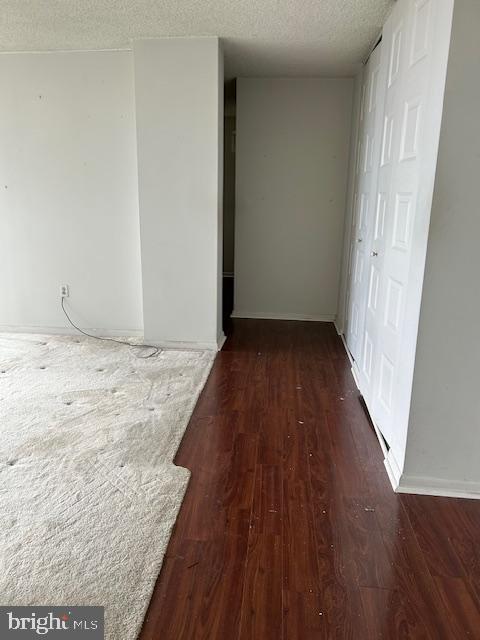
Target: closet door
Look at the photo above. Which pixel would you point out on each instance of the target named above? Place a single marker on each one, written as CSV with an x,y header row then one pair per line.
x,y
366,175
407,156
365,365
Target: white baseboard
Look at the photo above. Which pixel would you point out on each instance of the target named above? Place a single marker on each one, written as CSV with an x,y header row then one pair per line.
x,y
350,357
113,333
339,330
266,315
427,486
70,331
185,345
354,369
421,485
221,341
392,467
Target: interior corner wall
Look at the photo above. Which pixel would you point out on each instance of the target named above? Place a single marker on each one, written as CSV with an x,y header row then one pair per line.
x,y
229,196
292,140
220,336
443,442
68,192
341,319
179,115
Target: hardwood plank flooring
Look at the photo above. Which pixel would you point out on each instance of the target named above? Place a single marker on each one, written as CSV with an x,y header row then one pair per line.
x,y
289,529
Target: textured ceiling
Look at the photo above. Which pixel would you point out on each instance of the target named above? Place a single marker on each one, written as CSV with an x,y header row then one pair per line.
x,y
261,37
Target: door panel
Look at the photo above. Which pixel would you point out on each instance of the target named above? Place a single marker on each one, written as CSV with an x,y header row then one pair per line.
x,y
396,155
407,38
375,228
368,152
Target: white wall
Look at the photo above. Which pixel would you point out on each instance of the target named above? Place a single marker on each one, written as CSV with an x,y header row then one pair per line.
x,y
179,100
341,319
292,158
229,196
68,196
220,335
443,443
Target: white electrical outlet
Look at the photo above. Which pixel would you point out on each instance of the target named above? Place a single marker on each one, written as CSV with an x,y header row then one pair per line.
x,y
64,290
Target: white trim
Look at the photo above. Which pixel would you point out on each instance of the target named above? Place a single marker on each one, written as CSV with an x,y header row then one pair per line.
x,y
347,350
37,51
350,357
421,485
354,370
380,439
185,345
391,465
69,331
113,333
339,331
221,341
266,315
427,486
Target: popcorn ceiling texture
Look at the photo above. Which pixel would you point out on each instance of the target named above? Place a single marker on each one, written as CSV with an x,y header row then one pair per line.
x,y
88,490
261,37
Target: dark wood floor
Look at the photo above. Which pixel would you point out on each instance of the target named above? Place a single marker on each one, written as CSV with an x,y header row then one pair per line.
x,y
290,529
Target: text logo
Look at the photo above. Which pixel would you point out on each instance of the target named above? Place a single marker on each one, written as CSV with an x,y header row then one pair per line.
x,y
58,623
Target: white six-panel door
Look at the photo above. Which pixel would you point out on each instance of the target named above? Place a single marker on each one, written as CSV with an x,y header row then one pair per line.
x,y
368,150
365,360
386,281
409,131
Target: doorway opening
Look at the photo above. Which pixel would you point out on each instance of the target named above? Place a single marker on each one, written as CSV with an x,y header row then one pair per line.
x,y
229,202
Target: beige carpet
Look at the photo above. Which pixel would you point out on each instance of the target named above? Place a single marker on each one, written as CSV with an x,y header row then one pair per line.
x,y
88,490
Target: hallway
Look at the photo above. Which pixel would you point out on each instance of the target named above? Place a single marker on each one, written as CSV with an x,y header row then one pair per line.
x,y
289,528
